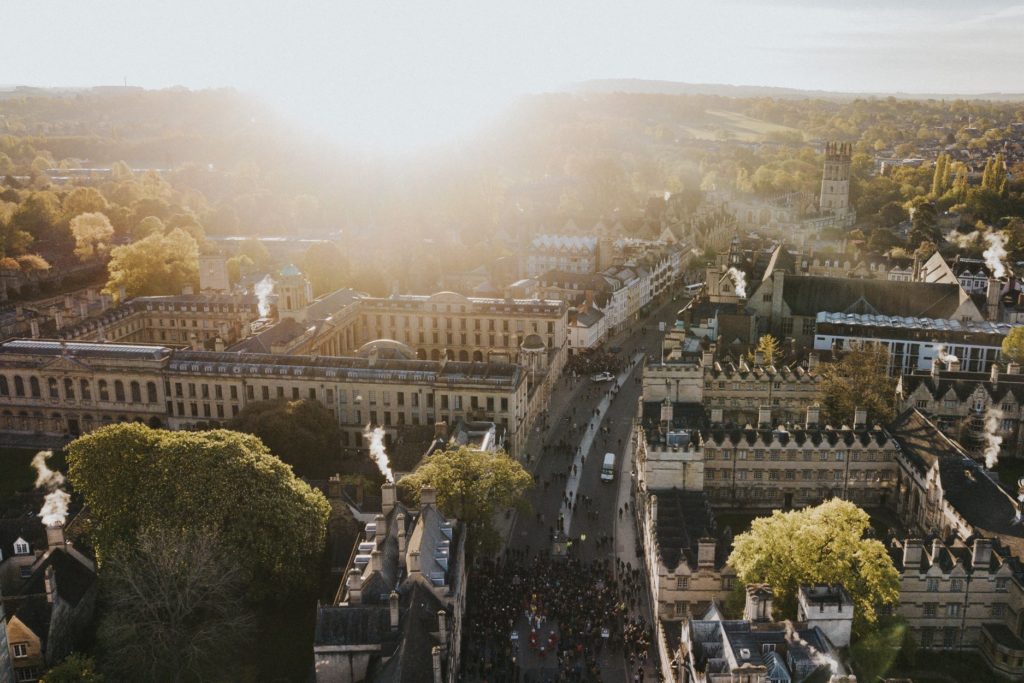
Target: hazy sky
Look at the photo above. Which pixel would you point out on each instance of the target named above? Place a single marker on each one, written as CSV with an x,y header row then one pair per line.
x,y
400,73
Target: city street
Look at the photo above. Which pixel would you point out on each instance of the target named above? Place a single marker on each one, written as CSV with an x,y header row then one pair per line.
x,y
585,421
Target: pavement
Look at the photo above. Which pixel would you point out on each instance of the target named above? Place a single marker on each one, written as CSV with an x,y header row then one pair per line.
x,y
568,421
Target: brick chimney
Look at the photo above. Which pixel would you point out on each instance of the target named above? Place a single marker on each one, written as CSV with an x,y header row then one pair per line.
x,y
982,554
764,417
376,564
954,364
813,416
428,497
435,655
354,583
706,553
218,343
393,610
912,551
334,486
442,625
994,374
441,430
387,497
382,528
992,294
55,536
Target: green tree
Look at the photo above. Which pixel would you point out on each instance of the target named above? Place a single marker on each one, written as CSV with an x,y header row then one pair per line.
x,y
83,200
891,214
77,668
158,264
93,233
137,480
858,379
925,225
824,544
175,608
150,225
472,486
302,433
1013,345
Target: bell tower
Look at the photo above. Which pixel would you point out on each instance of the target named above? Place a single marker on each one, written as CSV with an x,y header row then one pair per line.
x,y
835,178
294,294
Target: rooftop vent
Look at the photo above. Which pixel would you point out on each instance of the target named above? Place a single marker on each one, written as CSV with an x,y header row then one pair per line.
x,y
437,578
362,560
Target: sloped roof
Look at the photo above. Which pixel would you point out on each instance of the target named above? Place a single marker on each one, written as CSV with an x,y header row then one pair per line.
x,y
807,295
413,661
284,330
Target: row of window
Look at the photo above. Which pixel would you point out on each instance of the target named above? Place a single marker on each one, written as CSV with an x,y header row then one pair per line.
x,y
417,322
868,476
956,585
807,455
53,389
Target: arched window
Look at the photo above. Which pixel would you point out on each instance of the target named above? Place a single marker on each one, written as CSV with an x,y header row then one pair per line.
x,y
5,390
119,390
136,392
151,392
69,389
86,390
19,386
51,387
104,392
33,384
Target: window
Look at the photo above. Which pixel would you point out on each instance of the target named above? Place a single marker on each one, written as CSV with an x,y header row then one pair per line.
x,y
682,582
21,547
956,585
949,636
1001,585
20,650
51,385
932,586
953,609
787,326
104,393
927,636
998,609
929,609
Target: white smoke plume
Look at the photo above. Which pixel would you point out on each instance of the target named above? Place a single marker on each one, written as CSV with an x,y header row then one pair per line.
x,y
992,440
55,504
947,358
668,195
377,453
263,289
961,240
739,280
995,254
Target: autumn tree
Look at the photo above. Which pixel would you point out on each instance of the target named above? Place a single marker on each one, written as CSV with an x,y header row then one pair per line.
x,y
139,482
158,264
859,379
93,233
150,225
1013,345
175,608
769,347
76,668
472,486
302,433
826,544
83,200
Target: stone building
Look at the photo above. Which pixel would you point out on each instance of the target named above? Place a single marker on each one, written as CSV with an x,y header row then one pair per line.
x,y
56,389
835,179
960,403
397,615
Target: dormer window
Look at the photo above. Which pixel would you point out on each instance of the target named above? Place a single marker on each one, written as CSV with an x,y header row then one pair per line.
x,y
21,547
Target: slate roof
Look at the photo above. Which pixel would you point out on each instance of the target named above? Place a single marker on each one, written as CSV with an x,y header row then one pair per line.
x,y
807,295
27,527
989,508
282,331
684,517
413,662
964,384
72,580
352,625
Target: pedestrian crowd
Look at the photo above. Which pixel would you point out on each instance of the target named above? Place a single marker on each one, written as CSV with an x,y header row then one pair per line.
x,y
568,614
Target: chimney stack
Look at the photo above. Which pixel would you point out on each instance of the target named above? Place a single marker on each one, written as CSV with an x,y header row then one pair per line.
x,y
982,555
334,486
994,374
758,357
707,359
435,655
812,362
935,368
428,497
992,295
34,326
813,416
381,529
937,546
706,553
218,344
758,605
83,309
55,536
354,583
954,364
442,626
403,537
393,609
194,341
912,551
764,417
58,319
1012,368
387,498
716,416
441,430
376,564
860,418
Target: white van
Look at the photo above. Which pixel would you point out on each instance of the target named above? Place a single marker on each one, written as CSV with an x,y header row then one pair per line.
x,y
608,468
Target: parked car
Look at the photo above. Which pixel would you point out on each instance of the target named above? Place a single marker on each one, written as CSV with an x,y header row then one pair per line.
x,y
602,377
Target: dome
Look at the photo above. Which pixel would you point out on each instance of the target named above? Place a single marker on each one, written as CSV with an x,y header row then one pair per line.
x,y
387,348
290,271
533,342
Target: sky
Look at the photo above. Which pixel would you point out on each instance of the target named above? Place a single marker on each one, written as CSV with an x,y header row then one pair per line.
x,y
397,75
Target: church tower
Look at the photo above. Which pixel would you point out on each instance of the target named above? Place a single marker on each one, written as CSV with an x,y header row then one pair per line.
x,y
294,294
835,179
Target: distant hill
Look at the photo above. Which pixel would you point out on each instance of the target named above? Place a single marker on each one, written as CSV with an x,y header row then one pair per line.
x,y
641,86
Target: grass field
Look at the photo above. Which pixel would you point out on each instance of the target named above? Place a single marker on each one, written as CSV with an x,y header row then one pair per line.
x,y
16,471
735,126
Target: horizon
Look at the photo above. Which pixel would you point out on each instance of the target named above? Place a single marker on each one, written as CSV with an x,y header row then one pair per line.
x,y
390,77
